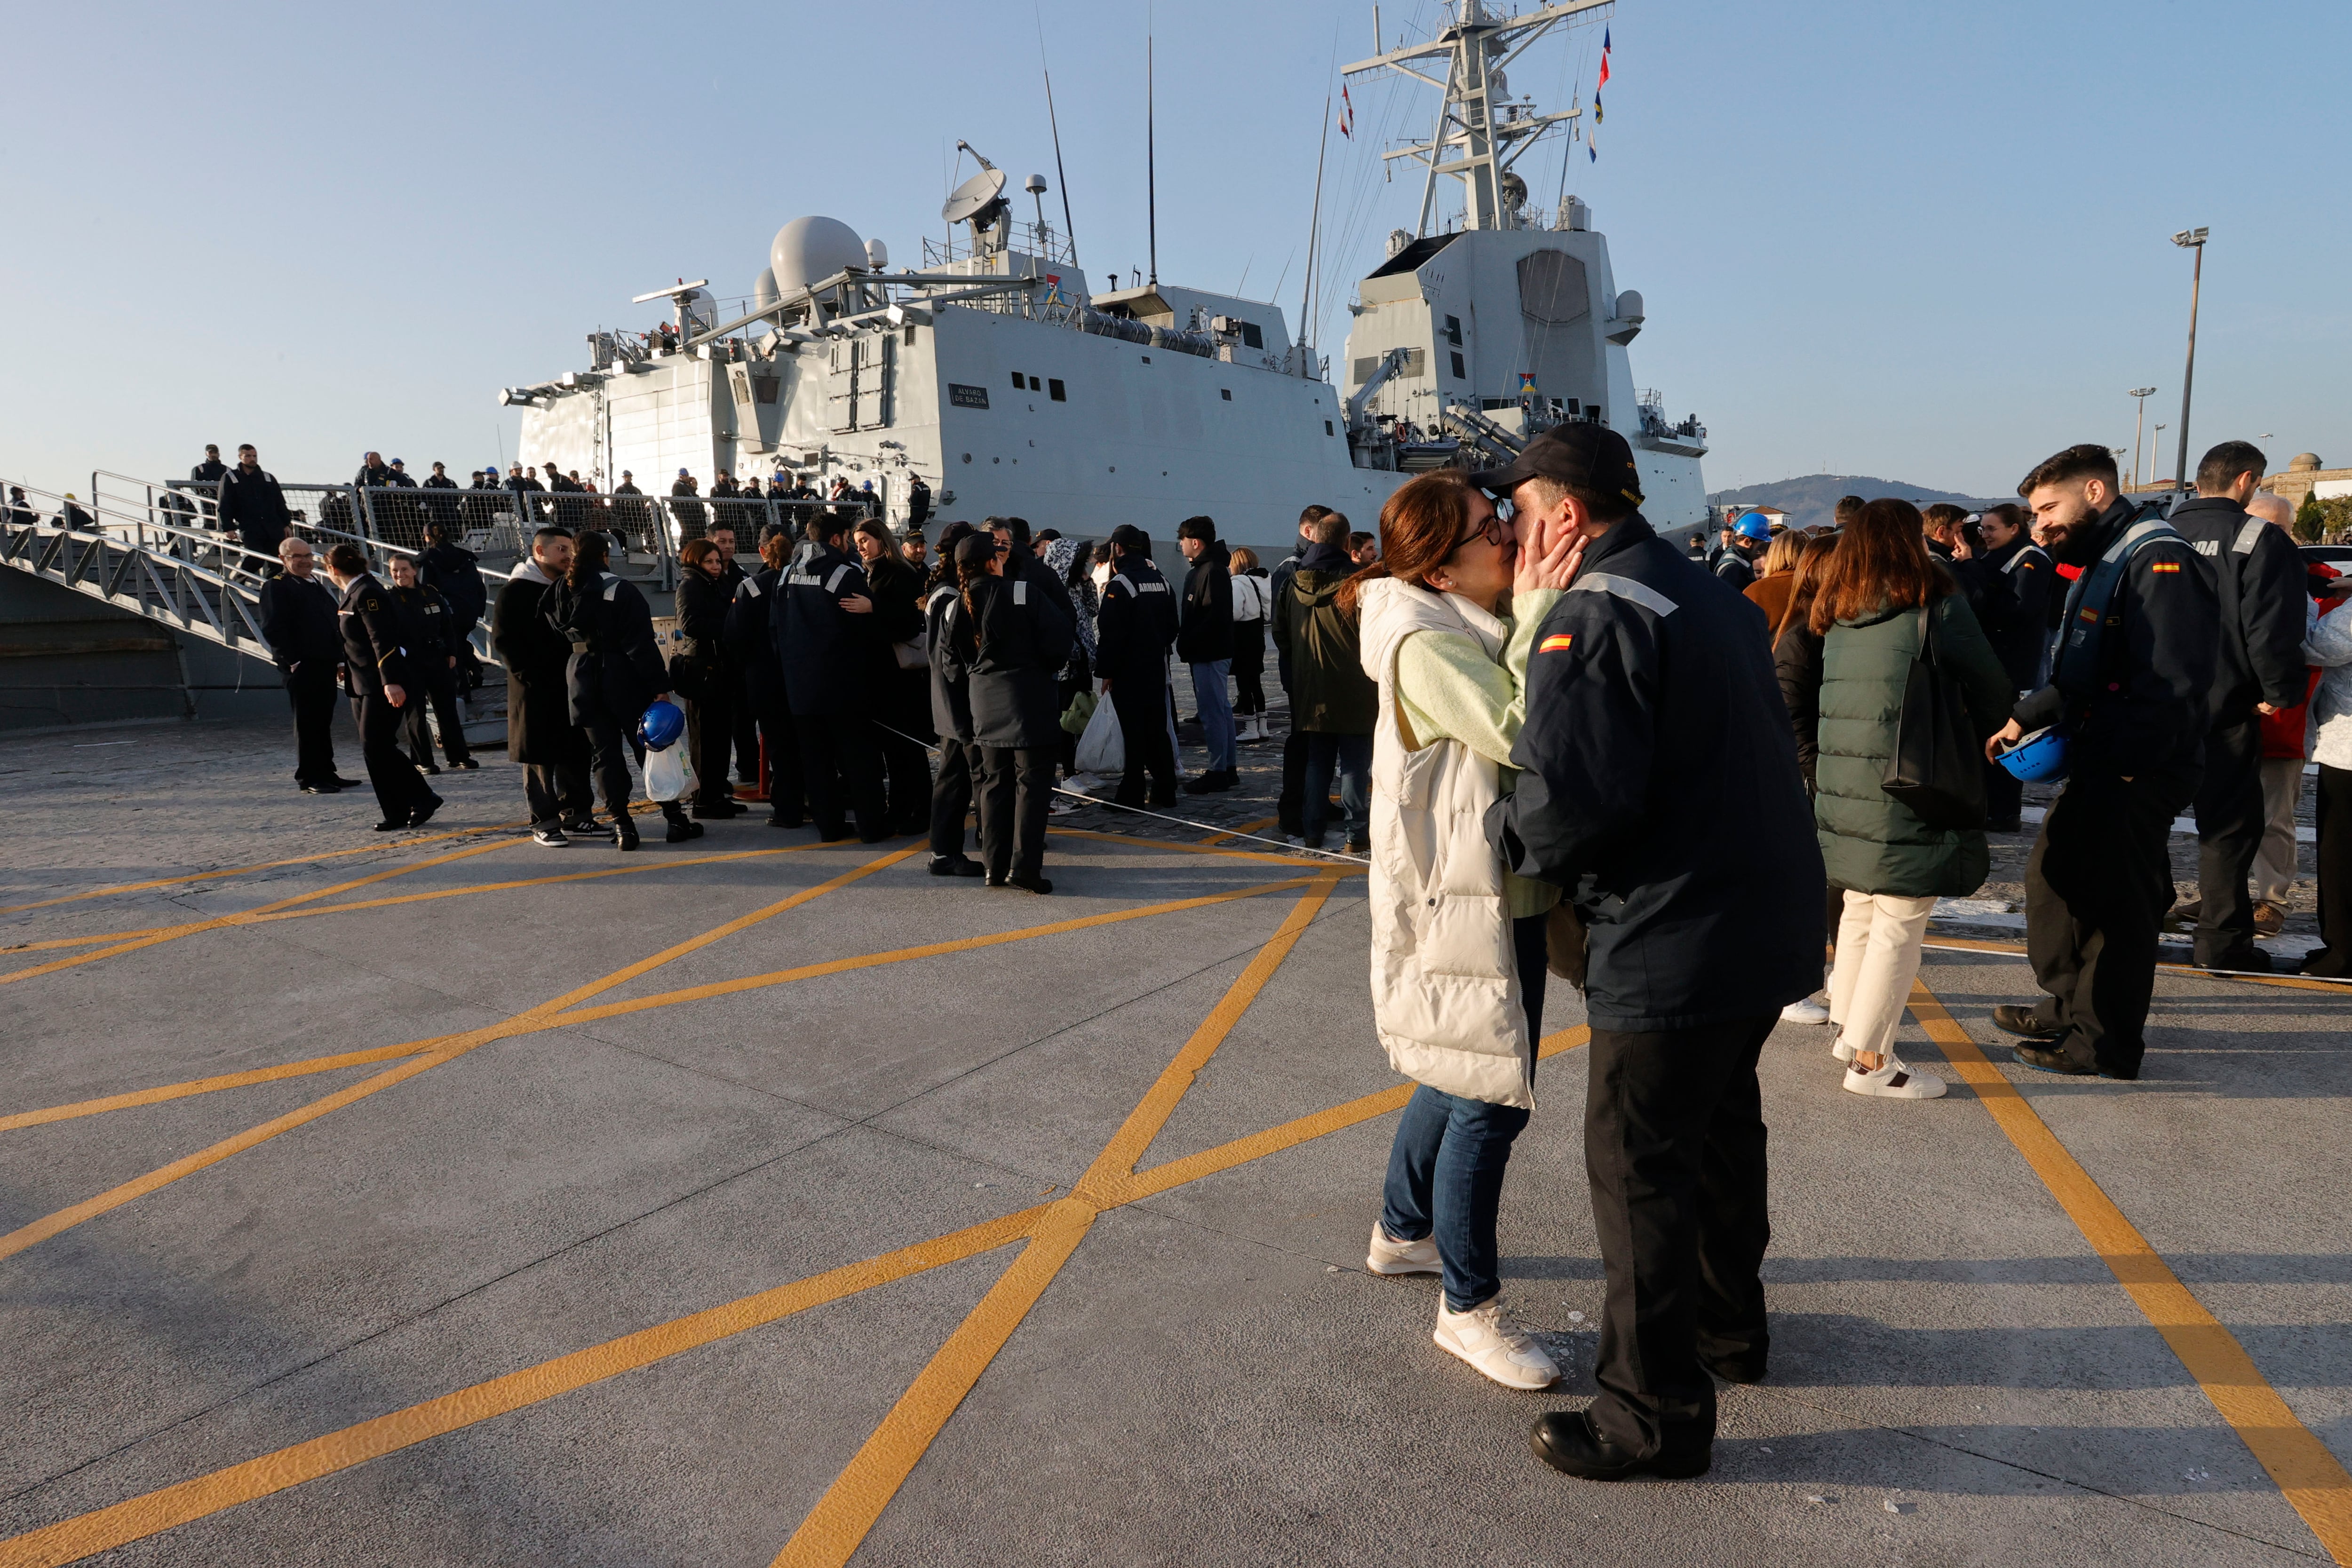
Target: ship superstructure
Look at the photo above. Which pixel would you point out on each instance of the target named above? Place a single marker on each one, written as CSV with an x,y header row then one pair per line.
x,y
997,373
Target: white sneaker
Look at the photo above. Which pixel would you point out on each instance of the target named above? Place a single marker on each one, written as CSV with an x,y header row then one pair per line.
x,y
1390,1256
1895,1081
551,838
1486,1338
1841,1051
1804,1010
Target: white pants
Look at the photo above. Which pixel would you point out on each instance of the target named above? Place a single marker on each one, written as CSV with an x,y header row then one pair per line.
x,y
1877,956
2275,861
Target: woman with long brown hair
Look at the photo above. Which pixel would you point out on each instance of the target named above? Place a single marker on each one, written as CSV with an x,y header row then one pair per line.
x,y
1459,951
1882,600
1775,574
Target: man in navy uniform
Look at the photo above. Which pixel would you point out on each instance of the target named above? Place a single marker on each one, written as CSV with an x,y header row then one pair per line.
x,y
382,683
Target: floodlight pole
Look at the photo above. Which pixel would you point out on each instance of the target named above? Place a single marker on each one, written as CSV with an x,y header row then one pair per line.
x,y
2139,429
2190,239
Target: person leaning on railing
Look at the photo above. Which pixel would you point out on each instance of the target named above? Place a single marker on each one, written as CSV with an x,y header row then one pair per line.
x,y
252,506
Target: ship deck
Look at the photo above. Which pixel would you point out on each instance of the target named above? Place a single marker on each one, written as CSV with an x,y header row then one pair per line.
x,y
452,1200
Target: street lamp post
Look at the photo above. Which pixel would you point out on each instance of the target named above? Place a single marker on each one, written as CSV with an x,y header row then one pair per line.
x,y
2188,239
2139,427
2156,450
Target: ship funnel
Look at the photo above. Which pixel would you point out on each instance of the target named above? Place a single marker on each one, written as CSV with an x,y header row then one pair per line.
x,y
809,250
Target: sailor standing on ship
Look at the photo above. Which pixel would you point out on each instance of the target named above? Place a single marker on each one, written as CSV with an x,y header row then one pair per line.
x,y
823,639
1136,628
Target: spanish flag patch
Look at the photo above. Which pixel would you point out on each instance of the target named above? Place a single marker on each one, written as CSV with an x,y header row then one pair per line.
x,y
2164,566
1556,644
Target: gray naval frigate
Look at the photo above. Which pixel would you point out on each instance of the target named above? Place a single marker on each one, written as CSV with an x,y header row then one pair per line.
x,y
1011,385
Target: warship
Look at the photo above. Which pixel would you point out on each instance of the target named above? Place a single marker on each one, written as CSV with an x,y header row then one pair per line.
x,y
1002,377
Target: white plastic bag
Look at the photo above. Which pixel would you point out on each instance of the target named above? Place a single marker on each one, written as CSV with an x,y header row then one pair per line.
x,y
1102,749
668,777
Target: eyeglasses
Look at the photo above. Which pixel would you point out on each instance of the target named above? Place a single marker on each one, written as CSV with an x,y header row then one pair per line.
x,y
1494,530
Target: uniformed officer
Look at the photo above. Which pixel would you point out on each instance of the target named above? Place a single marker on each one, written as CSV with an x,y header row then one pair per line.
x,y
377,665
298,622
1748,540
2009,588
748,638
1134,631
1660,790
2258,582
2130,692
820,622
429,630
1010,648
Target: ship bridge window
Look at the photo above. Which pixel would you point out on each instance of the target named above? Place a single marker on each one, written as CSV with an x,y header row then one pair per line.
x,y
1453,333
1226,394
1020,382
1054,390
1251,337
1459,373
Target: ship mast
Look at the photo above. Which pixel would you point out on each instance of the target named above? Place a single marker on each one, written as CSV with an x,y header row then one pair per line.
x,y
1479,133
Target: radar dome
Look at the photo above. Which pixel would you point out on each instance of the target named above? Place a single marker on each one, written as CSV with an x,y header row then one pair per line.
x,y
809,250
763,289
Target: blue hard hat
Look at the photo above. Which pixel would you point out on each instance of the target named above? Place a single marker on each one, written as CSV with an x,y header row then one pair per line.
x,y
2038,757
1753,527
663,723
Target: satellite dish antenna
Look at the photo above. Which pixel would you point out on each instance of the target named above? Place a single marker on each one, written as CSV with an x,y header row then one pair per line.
x,y
978,200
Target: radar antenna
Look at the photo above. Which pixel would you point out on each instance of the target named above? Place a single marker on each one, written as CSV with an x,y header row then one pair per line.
x,y
1480,131
682,297
980,202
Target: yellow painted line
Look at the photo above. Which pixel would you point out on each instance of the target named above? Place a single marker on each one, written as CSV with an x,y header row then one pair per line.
x,y
248,870
2187,971
529,1022
1257,827
658,863
152,1512
834,1527
906,955
1176,1173
2311,1479
1184,847
179,1504
207,1085
250,916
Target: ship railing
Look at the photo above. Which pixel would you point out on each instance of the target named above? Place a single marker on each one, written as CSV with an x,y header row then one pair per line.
x,y
1045,242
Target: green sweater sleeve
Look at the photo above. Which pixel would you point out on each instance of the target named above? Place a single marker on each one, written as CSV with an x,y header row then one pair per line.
x,y
1449,689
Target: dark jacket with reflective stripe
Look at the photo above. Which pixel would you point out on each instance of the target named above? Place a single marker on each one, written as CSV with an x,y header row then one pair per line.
x,y
373,649
1137,624
2010,590
825,651
254,506
748,637
945,623
2257,575
1010,658
615,669
2147,704
1659,787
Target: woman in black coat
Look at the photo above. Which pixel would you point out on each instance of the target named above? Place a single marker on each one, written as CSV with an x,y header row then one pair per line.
x,y
1011,658
706,675
897,691
946,622
615,674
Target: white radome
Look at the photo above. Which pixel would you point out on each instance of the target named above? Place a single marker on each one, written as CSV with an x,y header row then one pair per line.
x,y
812,250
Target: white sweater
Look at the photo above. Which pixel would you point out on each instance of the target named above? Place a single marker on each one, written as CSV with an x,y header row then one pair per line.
x,y
2327,643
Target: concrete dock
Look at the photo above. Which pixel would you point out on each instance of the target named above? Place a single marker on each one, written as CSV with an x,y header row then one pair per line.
x,y
439,1198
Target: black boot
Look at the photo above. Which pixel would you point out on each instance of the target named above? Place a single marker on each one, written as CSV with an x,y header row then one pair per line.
x,y
682,826
624,831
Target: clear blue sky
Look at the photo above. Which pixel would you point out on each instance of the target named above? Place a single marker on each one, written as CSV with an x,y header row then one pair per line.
x,y
1927,243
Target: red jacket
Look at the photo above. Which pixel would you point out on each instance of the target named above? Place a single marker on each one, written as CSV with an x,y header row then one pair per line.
x,y
2282,731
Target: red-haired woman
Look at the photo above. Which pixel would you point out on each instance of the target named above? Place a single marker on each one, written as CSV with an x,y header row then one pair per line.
x,y
1457,940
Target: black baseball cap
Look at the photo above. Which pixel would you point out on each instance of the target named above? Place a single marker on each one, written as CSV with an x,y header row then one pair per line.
x,y
1583,455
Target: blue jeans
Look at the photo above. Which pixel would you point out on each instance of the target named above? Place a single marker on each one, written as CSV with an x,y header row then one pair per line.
x,y
1216,707
1445,1168
1352,755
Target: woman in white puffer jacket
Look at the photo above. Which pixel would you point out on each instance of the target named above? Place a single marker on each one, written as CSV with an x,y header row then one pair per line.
x,y
1458,941
2327,643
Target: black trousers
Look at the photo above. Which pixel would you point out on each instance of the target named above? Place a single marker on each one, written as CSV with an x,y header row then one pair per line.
x,y
908,766
1016,787
400,789
311,692
2230,821
711,719
1673,1149
2334,799
1142,709
1290,805
611,743
841,773
1249,668
558,792
2004,794
2096,886
746,727
787,801
442,692
952,794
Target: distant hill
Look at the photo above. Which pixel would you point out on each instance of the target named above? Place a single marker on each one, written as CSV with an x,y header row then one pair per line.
x,y
1814,497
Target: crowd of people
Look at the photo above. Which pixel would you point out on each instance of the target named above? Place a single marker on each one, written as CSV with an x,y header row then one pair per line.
x,y
1715,790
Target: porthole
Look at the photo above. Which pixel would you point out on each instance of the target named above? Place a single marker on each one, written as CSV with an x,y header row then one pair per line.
x,y
966,456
